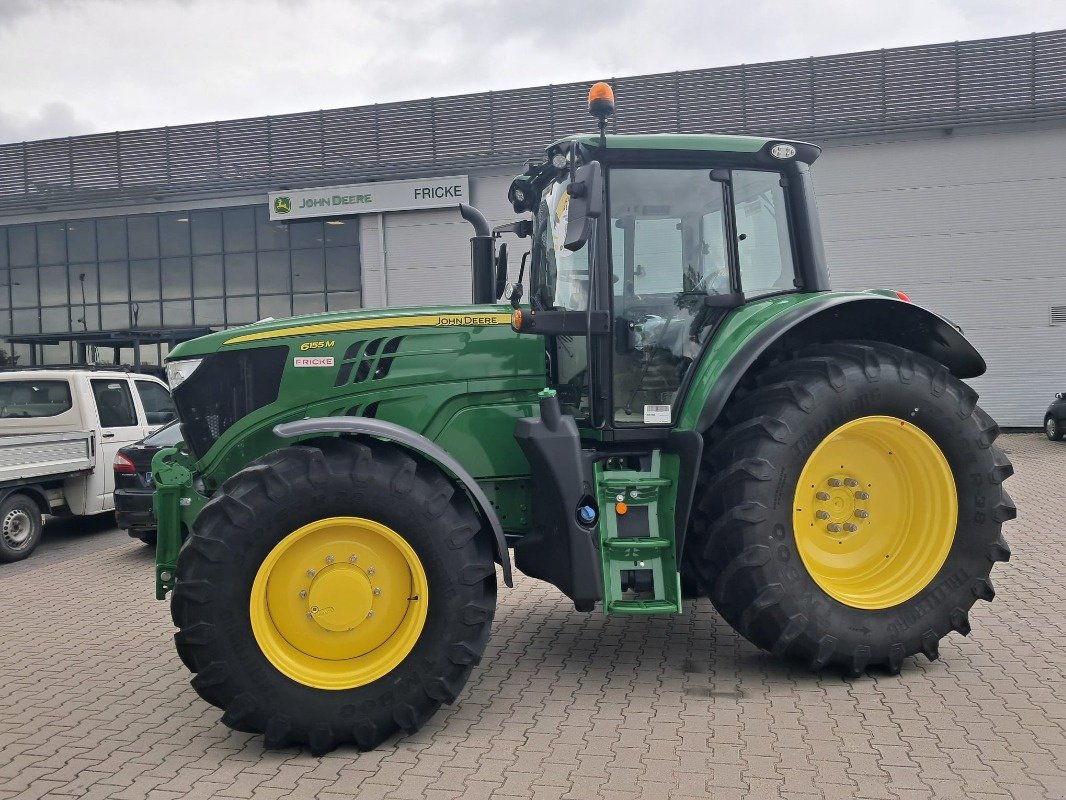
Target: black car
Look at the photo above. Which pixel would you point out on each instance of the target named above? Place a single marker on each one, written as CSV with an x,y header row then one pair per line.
x,y
1055,418
134,485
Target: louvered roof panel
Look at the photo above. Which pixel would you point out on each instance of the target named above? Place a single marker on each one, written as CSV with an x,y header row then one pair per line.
x,y
1003,79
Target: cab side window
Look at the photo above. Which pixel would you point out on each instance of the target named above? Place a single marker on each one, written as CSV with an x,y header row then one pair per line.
x,y
764,245
158,407
114,403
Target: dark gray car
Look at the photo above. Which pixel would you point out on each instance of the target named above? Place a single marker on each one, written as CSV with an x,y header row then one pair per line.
x,y
1055,418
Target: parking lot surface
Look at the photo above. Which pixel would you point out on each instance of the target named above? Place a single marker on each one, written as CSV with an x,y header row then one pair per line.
x,y
94,702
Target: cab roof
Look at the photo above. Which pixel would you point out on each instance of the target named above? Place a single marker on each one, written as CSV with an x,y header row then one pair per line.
x,y
687,142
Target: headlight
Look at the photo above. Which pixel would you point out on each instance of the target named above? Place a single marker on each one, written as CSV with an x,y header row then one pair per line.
x,y
179,371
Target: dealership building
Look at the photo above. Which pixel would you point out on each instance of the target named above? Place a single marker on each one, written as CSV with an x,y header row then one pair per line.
x,y
943,175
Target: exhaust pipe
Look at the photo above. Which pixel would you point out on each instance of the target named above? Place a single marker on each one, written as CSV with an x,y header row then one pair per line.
x,y
482,257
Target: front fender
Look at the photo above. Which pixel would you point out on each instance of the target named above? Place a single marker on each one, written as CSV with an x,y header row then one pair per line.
x,y
417,443
808,319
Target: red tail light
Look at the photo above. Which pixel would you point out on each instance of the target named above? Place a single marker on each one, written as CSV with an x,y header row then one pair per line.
x,y
903,296
123,466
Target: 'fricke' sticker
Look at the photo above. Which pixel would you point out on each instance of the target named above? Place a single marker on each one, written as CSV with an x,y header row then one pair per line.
x,y
313,361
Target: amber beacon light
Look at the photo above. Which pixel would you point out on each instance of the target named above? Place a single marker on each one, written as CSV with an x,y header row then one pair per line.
x,y
601,100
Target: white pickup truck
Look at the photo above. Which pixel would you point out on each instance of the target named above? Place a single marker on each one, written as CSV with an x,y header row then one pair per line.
x,y
59,433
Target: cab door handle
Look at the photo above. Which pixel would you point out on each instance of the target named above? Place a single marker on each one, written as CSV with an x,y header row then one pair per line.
x,y
107,436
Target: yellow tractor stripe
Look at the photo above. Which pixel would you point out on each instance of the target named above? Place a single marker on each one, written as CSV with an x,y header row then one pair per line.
x,y
414,321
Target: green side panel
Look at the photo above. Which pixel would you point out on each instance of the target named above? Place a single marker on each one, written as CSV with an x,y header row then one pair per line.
x,y
443,381
642,539
737,329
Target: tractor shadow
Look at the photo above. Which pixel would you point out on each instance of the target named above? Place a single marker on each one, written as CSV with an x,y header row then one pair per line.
x,y
696,653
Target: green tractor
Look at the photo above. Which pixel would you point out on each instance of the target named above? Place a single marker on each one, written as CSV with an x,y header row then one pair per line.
x,y
683,408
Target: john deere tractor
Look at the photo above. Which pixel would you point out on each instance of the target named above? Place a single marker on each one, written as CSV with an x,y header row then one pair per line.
x,y
672,404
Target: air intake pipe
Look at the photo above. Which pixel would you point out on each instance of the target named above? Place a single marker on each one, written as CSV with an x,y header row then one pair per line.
x,y
482,256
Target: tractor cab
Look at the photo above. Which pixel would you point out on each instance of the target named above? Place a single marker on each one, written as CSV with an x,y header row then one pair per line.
x,y
642,244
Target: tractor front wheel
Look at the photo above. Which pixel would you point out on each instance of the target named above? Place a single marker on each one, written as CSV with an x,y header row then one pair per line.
x,y
851,508
333,594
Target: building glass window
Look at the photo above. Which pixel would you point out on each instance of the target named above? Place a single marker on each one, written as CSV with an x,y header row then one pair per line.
x,y
176,274
81,241
114,281
53,285
111,239
238,230
305,233
51,243
274,271
308,271
23,287
240,273
270,235
239,310
207,276
22,246
342,269
206,232
144,236
144,279
208,267
174,239
339,232
277,306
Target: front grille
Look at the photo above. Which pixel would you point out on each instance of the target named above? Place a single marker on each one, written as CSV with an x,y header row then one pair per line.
x,y
225,388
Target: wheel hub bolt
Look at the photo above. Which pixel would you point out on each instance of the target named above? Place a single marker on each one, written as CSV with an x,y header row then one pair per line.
x,y
329,559
822,514
370,613
822,495
861,513
850,527
310,573
850,482
377,593
862,495
303,593
352,558
371,571
835,482
310,616
833,527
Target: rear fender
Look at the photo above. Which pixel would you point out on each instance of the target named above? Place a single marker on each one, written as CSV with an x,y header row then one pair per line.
x,y
418,444
828,318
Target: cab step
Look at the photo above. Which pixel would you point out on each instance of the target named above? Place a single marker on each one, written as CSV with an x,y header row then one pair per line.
x,y
636,536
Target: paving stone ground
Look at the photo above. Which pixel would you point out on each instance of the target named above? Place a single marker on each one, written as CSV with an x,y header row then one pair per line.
x,y
94,702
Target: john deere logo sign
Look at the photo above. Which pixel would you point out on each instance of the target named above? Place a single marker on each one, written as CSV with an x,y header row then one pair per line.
x,y
335,201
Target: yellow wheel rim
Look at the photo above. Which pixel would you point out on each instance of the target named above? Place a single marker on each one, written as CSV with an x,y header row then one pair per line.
x,y
875,512
339,603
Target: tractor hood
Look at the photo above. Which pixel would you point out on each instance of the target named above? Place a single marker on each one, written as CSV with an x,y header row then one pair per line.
x,y
273,331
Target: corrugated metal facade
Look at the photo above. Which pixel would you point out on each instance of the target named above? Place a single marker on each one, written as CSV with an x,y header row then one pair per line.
x,y
970,225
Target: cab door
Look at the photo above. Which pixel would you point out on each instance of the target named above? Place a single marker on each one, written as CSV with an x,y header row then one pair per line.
x,y
118,425
156,403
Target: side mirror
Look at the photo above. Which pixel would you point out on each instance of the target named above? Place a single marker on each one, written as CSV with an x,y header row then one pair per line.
x,y
1058,395
501,271
585,205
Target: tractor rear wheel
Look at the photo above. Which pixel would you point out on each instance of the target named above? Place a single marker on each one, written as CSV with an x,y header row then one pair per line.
x,y
332,594
851,509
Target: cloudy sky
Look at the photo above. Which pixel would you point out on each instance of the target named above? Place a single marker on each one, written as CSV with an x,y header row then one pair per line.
x,y
83,66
